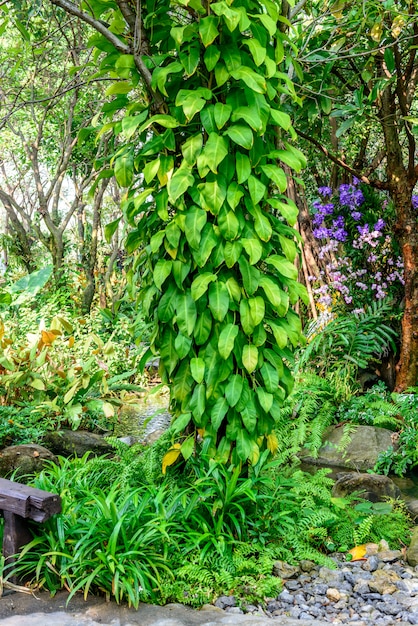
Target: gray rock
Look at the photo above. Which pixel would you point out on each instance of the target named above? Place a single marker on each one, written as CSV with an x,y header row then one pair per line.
x,y
24,459
373,487
223,601
67,443
371,565
412,551
285,596
361,454
284,570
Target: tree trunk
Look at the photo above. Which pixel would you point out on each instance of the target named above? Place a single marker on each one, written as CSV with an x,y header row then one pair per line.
x,y
407,235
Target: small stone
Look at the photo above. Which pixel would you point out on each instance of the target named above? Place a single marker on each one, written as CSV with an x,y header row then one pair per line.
x,y
331,576
383,581
372,549
389,608
333,594
285,596
320,589
361,587
307,566
409,586
305,615
413,618
284,570
300,598
383,545
234,609
371,564
292,585
389,556
295,612
225,601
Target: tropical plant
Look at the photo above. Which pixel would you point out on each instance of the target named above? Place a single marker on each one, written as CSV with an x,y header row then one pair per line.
x,y
349,342
201,137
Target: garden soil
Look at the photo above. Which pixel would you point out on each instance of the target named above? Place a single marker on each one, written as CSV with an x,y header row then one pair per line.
x,y
19,609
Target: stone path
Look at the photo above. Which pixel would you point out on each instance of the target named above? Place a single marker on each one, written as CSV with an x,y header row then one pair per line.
x,y
109,614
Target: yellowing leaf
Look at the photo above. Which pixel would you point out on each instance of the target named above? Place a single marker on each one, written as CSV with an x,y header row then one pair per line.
x,y
358,552
171,457
376,32
71,342
49,336
272,443
337,9
397,26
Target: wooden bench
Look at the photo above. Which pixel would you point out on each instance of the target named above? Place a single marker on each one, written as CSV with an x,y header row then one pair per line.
x,y
19,504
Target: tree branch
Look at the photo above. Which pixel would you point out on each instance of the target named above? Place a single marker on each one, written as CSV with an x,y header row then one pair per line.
x,y
378,184
70,7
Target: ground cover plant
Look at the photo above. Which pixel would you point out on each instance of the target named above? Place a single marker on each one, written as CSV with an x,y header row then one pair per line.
x,y
196,533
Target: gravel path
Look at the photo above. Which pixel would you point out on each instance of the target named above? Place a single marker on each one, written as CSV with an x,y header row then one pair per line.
x,y
380,589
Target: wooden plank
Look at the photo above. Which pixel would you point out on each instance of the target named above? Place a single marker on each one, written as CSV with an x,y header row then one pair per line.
x,y
15,535
28,502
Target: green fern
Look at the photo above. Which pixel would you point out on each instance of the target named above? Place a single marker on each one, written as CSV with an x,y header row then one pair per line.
x,y
350,342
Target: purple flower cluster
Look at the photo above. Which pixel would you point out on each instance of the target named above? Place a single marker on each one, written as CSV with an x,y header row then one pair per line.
x,y
415,202
344,281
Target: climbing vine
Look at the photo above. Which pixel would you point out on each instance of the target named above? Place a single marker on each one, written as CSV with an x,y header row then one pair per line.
x,y
201,145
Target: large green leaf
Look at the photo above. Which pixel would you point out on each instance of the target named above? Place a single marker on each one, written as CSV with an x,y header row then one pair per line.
x,y
192,148
222,114
195,221
254,248
233,389
212,195
250,275
181,180
277,175
124,168
231,16
208,241
161,272
254,81
272,291
257,50
270,377
228,224
211,57
283,266
218,300
182,345
218,412
208,29
183,382
197,368
245,445
265,399
257,309
227,339
168,352
256,188
201,283
243,165
246,319
250,357
286,207
198,402
214,151
241,135
186,313
203,327
232,252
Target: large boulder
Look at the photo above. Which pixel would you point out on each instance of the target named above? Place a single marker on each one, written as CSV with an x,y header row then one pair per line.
x,y
24,459
373,487
412,551
76,443
360,454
